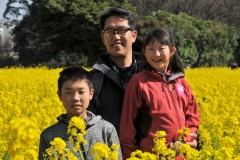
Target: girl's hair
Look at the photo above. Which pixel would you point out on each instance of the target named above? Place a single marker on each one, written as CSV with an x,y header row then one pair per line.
x,y
165,38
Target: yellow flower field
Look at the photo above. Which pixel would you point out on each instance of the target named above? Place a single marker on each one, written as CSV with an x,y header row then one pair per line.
x,y
29,103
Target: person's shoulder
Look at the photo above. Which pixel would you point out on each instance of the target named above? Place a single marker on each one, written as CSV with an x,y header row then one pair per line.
x,y
183,81
103,60
51,129
141,76
105,123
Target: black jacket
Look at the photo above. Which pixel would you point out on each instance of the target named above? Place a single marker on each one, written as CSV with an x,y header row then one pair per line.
x,y
113,88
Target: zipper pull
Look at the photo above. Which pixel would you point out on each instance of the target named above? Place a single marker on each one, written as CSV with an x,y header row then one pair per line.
x,y
169,89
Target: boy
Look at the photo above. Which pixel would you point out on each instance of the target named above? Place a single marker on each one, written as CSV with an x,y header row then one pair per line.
x,y
75,91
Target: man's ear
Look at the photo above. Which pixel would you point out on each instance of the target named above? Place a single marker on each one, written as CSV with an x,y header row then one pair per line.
x,y
102,36
134,36
59,95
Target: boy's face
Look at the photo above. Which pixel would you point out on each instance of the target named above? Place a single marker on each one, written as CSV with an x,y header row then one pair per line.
x,y
75,97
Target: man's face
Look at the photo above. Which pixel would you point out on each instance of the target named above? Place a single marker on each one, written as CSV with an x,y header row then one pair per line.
x,y
118,46
75,97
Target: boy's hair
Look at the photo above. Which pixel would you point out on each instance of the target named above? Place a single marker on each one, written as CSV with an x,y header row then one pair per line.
x,y
74,73
165,38
119,12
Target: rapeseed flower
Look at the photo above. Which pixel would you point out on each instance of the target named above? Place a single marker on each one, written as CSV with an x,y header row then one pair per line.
x,y
139,155
100,151
31,93
21,136
114,152
76,129
160,147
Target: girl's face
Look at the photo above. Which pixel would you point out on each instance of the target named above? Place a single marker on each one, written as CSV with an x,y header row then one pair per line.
x,y
158,55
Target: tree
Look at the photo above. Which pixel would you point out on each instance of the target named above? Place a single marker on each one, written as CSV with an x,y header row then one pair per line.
x,y
222,11
72,26
31,46
59,30
199,43
237,53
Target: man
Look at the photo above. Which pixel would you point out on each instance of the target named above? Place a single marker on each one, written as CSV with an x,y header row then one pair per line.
x,y
117,67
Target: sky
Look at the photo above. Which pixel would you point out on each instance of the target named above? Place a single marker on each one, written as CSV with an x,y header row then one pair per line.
x,y
2,7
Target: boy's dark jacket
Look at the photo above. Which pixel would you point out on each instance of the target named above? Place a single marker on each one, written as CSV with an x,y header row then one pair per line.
x,y
113,87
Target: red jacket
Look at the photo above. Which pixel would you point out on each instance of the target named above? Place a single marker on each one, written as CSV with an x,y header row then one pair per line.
x,y
151,104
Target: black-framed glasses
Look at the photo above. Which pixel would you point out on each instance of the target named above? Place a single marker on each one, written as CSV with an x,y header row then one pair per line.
x,y
119,31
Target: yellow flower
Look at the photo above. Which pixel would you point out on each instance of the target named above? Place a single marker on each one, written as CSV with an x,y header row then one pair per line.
x,y
160,147
114,152
58,143
31,154
87,68
188,152
76,129
114,147
58,149
81,139
160,134
76,123
139,155
183,133
100,151
218,104
21,136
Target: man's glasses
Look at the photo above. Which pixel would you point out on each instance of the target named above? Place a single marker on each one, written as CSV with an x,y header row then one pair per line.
x,y
119,31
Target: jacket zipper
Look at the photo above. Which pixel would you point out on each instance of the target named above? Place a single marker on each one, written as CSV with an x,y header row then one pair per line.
x,y
174,102
167,96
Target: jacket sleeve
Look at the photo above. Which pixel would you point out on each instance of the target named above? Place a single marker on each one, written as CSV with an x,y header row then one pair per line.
x,y
113,139
192,115
42,148
131,103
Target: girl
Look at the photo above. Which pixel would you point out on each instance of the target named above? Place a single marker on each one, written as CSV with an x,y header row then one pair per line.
x,y
158,98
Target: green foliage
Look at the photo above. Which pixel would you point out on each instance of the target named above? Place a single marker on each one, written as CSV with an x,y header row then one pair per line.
x,y
237,53
51,26
72,59
199,43
72,26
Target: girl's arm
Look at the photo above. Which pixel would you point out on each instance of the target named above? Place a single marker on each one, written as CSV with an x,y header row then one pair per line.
x,y
192,115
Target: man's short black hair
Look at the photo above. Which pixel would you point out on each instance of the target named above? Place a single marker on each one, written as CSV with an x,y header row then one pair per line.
x,y
118,12
74,73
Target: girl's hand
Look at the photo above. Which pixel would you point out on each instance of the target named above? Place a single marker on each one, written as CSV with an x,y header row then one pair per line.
x,y
193,144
